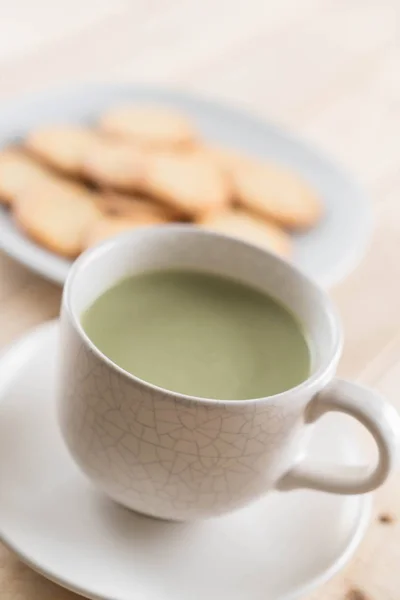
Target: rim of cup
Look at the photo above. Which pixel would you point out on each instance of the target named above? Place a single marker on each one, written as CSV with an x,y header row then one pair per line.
x,y
316,379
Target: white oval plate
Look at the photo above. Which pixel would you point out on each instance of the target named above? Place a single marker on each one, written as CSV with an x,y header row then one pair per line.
x,y
278,548
326,253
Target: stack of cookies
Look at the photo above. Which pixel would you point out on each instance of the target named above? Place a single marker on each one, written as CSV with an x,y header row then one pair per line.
x,y
72,186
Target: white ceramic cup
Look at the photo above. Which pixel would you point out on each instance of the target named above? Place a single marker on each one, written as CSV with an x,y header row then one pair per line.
x,y
180,457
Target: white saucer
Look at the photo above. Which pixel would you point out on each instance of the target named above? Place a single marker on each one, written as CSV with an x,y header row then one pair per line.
x,y
52,518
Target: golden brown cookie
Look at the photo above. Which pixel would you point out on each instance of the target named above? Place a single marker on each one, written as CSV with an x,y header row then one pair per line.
x,y
243,225
108,226
226,158
186,181
268,189
152,126
17,171
114,164
56,215
62,146
124,205
277,193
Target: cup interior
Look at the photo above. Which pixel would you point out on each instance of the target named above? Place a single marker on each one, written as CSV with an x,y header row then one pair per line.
x,y
184,247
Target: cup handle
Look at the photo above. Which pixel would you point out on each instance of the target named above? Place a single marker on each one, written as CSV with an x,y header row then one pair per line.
x,y
379,417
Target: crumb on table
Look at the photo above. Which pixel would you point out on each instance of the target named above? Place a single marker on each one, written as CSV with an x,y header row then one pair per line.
x,y
356,594
386,518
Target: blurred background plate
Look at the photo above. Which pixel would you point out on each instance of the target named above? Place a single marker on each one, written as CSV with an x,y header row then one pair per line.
x,y
326,253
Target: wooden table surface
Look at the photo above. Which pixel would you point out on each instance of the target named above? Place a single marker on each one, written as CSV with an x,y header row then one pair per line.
x,y
327,69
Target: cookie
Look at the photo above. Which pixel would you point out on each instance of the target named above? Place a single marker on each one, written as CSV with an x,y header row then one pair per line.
x,y
108,226
113,164
276,193
152,126
240,224
17,171
56,215
62,146
226,158
188,182
268,189
124,205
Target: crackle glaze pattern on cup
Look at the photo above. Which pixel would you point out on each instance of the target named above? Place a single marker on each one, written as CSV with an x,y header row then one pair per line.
x,y
162,453
169,456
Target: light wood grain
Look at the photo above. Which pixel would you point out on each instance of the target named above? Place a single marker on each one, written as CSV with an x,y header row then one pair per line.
x,y
330,70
